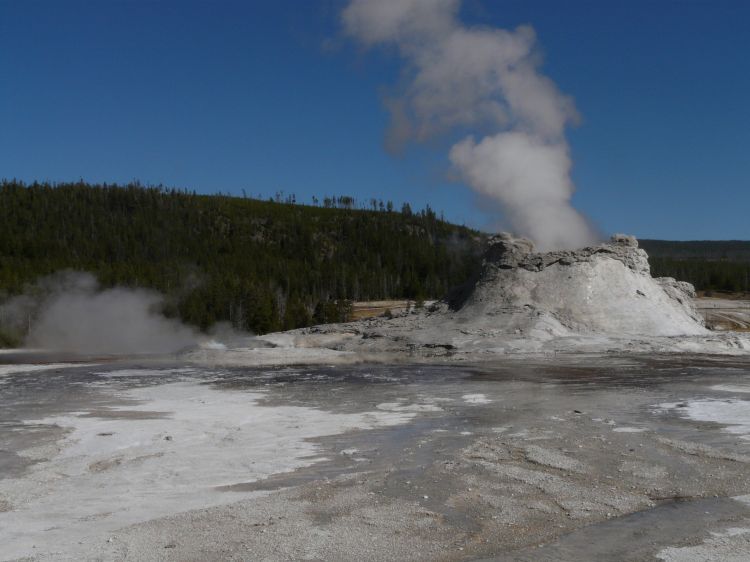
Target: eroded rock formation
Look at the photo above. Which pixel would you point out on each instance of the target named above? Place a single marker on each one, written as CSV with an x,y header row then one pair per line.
x,y
604,289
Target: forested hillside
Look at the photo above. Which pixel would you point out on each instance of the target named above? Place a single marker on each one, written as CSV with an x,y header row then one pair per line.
x,y
706,250
710,265
261,265
269,265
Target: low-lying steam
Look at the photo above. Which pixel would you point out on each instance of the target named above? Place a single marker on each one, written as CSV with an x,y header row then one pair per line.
x,y
70,312
482,79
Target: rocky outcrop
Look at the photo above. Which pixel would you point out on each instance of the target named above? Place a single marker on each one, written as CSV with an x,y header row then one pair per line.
x,y
605,289
507,252
682,292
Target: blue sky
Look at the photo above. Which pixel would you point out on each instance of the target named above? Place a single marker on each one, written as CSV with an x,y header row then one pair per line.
x,y
268,96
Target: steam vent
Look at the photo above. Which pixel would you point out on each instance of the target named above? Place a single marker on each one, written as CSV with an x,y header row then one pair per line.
x,y
605,289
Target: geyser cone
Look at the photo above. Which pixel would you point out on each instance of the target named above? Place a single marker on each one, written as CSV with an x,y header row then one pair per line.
x,y
605,289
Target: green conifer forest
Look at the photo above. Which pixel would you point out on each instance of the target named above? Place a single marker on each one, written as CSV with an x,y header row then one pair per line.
x,y
260,265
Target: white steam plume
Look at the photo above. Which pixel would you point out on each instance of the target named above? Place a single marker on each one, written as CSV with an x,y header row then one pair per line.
x,y
463,78
69,312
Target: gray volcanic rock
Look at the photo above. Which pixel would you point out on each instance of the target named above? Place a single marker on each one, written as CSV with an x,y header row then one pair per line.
x,y
605,289
506,252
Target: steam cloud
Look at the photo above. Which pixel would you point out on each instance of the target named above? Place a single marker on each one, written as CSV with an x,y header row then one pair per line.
x,y
69,312
459,78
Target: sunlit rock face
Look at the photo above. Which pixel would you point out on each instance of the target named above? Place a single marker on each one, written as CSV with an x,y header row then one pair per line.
x,y
605,289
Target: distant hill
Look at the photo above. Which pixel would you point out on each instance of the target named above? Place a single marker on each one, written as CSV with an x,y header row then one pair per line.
x,y
261,265
710,265
709,250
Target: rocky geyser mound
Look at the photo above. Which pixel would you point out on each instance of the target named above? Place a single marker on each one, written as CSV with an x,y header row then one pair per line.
x,y
606,289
